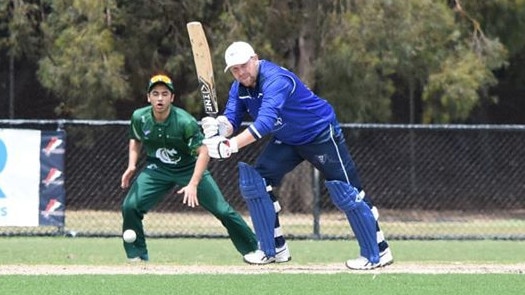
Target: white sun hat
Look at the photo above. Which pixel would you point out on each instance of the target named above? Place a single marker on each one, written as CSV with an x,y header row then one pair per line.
x,y
238,53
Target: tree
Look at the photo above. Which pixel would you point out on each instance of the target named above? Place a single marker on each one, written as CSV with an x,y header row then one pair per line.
x,y
464,76
153,38
384,49
503,19
377,61
20,39
82,66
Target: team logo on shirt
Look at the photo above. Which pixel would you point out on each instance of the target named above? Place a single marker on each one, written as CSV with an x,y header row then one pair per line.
x,y
322,158
146,126
278,125
168,156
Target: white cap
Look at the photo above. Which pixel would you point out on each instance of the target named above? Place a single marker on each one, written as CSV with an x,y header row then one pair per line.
x,y
238,53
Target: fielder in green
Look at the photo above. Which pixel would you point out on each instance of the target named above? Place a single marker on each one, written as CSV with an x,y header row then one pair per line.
x,y
176,157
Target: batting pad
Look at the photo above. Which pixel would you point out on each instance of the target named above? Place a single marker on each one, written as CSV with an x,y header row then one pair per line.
x,y
260,205
362,221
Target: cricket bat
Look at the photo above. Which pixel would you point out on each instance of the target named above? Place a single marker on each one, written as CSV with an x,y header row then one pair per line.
x,y
204,67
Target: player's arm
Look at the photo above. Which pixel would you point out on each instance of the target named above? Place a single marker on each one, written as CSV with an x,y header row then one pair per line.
x,y
220,147
235,109
246,137
243,139
190,190
276,93
135,147
193,138
226,124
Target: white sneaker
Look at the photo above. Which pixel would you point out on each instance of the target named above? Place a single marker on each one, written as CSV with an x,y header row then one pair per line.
x,y
258,257
362,263
282,254
386,258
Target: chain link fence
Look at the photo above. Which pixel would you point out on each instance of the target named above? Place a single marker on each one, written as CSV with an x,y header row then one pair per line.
x,y
428,181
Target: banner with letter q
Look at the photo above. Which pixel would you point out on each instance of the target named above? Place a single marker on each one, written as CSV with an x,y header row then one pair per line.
x,y
32,191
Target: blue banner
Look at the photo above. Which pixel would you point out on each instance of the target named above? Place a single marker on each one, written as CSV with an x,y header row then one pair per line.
x,y
52,176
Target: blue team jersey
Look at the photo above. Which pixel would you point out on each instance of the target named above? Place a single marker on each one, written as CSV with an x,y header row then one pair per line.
x,y
280,104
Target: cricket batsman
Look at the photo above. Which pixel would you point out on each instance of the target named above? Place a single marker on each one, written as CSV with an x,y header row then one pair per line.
x,y
302,127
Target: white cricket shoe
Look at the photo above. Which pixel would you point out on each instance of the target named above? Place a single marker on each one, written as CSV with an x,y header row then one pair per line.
x,y
362,263
258,257
386,258
282,254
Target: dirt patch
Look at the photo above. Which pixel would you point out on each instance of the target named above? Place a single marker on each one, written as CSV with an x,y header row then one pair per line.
x,y
146,268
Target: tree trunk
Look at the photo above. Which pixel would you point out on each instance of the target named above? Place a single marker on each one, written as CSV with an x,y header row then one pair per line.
x,y
296,187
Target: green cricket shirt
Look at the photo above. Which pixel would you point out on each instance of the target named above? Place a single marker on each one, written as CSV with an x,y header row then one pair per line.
x,y
172,143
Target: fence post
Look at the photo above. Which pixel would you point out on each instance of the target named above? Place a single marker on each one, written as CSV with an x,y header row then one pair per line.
x,y
316,208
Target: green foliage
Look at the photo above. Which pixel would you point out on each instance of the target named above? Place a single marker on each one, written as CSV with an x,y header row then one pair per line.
x,y
82,66
502,19
262,24
453,92
5,41
152,36
348,79
21,19
382,47
97,55
460,84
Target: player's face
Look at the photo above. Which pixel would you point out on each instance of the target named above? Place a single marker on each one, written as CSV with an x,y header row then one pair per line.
x,y
246,73
160,98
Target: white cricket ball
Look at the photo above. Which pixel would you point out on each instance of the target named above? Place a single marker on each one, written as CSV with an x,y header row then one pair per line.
x,y
129,236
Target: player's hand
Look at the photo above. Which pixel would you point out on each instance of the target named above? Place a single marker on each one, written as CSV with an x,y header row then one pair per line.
x,y
190,195
126,177
216,126
210,127
219,147
225,127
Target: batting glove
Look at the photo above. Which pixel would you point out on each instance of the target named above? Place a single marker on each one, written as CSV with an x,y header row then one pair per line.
x,y
219,147
225,127
216,126
210,127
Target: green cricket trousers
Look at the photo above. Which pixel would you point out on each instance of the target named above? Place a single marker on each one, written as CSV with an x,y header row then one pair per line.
x,y
155,182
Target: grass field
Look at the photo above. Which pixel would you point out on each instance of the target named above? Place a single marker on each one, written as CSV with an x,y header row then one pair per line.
x,y
395,223
59,265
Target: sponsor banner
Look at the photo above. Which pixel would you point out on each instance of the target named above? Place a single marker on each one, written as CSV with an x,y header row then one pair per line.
x,y
32,189
52,190
19,177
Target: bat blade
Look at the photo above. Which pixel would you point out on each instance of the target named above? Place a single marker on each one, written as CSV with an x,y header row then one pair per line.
x,y
204,67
